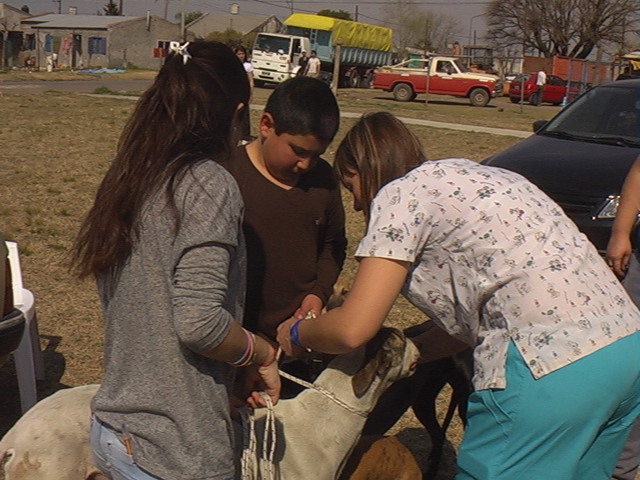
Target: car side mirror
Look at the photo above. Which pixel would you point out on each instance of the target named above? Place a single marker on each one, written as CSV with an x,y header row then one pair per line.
x,y
538,124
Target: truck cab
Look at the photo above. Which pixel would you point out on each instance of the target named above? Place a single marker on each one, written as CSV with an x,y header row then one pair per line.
x,y
275,57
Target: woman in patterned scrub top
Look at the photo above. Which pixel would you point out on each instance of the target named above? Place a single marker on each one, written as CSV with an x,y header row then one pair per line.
x,y
497,265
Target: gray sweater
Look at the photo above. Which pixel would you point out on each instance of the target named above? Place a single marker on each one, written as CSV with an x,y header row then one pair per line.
x,y
174,300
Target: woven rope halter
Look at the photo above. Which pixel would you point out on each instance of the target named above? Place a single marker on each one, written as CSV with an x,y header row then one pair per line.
x,y
249,466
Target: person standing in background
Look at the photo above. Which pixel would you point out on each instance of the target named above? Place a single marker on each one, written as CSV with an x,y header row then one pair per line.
x,y
302,63
245,128
541,80
313,65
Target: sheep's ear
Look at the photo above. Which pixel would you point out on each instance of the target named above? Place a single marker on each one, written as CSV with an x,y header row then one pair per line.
x,y
378,358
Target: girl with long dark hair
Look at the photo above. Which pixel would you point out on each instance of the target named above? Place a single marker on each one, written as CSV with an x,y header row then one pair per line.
x,y
164,242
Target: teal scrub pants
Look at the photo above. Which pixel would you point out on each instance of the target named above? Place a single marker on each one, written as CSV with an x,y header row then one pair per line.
x,y
570,424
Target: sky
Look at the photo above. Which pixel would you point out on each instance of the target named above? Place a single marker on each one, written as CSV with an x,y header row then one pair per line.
x,y
468,13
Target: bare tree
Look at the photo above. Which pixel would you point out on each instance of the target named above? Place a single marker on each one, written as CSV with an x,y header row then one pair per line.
x,y
434,31
561,27
397,16
423,29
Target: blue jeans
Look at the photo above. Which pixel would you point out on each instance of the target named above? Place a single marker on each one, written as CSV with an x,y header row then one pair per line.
x,y
110,455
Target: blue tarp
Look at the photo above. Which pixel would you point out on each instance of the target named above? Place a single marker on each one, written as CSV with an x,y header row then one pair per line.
x,y
103,70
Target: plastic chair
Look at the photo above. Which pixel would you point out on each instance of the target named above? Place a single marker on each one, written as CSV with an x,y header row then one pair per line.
x,y
11,330
27,357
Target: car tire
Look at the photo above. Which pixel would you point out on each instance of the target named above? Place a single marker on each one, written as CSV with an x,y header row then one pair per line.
x,y
403,92
514,99
535,99
354,79
479,97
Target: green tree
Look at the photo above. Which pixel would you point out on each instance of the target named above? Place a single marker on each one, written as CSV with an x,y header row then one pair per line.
x,y
561,27
111,9
189,16
232,38
341,14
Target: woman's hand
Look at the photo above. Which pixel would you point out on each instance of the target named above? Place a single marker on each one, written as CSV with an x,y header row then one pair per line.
x,y
284,339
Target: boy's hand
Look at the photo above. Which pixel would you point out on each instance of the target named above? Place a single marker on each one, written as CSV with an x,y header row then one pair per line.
x,y
310,303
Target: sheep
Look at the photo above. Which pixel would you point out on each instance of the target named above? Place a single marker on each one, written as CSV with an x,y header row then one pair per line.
x,y
51,440
315,434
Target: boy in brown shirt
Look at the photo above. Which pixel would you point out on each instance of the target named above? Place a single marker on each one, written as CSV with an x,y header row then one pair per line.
x,y
294,217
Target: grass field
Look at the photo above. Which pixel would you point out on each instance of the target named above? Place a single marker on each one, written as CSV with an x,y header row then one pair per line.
x,y
55,150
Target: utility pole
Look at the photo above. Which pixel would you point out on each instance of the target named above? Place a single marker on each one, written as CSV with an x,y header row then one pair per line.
x,y
59,2
356,15
120,8
183,32
166,9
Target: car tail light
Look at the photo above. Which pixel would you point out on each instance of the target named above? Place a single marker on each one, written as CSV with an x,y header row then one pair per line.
x,y
608,209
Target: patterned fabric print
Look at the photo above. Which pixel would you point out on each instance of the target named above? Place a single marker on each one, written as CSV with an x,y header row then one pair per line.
x,y
494,259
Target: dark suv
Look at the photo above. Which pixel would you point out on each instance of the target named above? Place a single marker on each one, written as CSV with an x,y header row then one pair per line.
x,y
580,157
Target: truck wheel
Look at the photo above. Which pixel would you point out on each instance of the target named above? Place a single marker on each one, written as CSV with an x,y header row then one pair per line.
x,y
403,92
354,79
479,97
515,99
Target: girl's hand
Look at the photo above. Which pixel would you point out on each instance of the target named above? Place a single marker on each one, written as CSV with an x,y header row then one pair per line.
x,y
270,383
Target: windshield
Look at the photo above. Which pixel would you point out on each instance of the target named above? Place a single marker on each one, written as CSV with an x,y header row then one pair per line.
x,y
268,43
606,114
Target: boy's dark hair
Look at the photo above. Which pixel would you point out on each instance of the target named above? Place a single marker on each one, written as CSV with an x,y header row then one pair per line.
x,y
304,106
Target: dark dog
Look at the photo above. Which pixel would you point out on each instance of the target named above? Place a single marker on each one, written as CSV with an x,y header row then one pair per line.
x,y
420,392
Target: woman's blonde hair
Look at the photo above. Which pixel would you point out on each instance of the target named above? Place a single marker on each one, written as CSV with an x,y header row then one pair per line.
x,y
379,148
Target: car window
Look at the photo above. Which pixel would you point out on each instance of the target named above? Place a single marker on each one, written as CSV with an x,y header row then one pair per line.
x,y
461,66
556,81
272,44
522,78
600,113
415,64
444,66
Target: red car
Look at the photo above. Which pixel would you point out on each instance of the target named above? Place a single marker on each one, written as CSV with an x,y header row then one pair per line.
x,y
524,87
